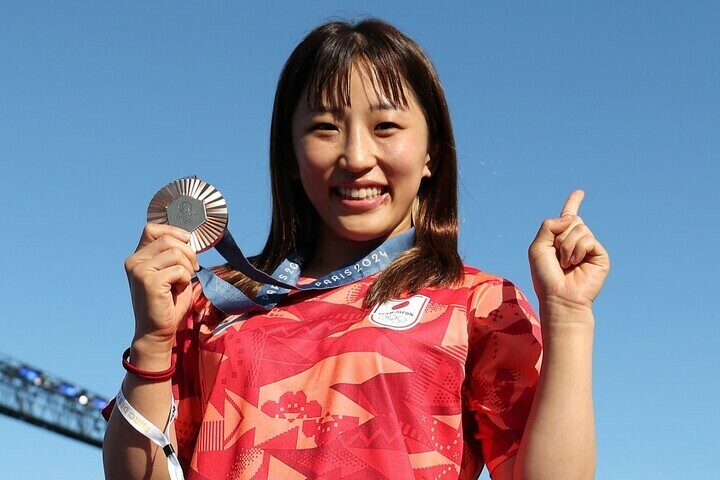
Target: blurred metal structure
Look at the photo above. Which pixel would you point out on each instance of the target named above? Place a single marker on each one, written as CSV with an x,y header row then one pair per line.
x,y
37,397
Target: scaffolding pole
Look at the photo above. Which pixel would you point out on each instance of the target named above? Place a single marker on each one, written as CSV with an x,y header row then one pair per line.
x,y
44,400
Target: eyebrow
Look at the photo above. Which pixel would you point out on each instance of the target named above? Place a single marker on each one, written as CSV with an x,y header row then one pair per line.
x,y
383,106
323,109
378,107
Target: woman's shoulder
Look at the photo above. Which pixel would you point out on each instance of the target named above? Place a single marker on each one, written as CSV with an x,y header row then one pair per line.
x,y
473,286
474,277
488,292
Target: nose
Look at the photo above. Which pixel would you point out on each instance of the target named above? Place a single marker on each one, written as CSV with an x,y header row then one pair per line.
x,y
358,153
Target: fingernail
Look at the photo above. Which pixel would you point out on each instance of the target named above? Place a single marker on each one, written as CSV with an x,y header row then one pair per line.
x,y
572,260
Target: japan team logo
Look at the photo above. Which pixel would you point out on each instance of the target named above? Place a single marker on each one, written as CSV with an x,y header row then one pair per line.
x,y
399,314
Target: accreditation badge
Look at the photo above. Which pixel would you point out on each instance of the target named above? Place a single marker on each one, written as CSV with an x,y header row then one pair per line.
x,y
193,205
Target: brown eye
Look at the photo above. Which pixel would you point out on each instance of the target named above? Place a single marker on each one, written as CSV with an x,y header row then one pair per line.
x,y
323,126
386,129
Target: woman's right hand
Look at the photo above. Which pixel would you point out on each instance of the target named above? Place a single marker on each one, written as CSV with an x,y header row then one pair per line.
x,y
159,274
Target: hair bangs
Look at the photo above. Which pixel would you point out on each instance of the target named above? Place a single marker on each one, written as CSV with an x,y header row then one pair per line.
x,y
329,82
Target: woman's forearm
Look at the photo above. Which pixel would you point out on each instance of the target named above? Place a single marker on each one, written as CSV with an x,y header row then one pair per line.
x,y
127,454
559,438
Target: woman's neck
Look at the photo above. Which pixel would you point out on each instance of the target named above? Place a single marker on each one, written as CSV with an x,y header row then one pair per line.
x,y
333,252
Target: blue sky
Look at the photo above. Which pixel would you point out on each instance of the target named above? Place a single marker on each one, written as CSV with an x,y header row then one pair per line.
x,y
102,103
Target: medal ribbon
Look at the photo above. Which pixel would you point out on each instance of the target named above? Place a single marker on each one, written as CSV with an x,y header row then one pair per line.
x,y
230,300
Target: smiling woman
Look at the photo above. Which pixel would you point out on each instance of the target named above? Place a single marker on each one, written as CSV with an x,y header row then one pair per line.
x,y
361,168
410,364
395,78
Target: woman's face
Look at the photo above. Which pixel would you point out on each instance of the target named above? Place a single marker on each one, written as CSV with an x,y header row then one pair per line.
x,y
361,167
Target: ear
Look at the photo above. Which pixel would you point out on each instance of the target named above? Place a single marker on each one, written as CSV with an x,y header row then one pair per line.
x,y
427,168
430,164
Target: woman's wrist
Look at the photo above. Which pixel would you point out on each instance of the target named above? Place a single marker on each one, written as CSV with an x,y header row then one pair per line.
x,y
556,311
149,355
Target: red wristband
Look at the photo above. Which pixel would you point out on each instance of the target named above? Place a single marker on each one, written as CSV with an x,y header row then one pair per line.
x,y
146,374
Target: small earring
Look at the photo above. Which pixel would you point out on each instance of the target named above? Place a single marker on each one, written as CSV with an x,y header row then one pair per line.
x,y
414,209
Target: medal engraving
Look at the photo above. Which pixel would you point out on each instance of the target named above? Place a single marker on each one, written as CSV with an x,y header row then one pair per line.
x,y
193,205
187,213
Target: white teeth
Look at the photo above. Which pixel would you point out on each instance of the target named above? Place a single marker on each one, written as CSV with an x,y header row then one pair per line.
x,y
369,192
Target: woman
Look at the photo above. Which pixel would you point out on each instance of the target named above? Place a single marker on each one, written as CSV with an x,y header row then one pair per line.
x,y
427,369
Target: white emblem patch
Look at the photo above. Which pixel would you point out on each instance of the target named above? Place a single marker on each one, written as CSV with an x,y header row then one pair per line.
x,y
399,314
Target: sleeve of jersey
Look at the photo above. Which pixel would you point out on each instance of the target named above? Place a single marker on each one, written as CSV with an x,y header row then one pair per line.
x,y
505,350
186,381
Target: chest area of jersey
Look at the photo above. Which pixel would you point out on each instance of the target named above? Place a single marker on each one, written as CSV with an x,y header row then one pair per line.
x,y
332,339
336,324
328,370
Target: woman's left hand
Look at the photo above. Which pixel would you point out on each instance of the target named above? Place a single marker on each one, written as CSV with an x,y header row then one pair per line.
x,y
567,263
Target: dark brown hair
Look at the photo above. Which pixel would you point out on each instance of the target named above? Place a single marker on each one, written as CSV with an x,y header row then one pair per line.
x,y
321,66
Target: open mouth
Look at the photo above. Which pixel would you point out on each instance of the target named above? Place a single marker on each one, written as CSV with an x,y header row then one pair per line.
x,y
349,193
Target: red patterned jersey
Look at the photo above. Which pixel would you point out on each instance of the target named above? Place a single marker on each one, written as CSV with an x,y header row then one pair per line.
x,y
430,386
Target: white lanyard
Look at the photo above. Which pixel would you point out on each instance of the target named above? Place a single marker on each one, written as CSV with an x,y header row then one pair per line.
x,y
147,429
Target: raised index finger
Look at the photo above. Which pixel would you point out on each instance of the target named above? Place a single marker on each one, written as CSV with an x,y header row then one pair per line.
x,y
572,204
